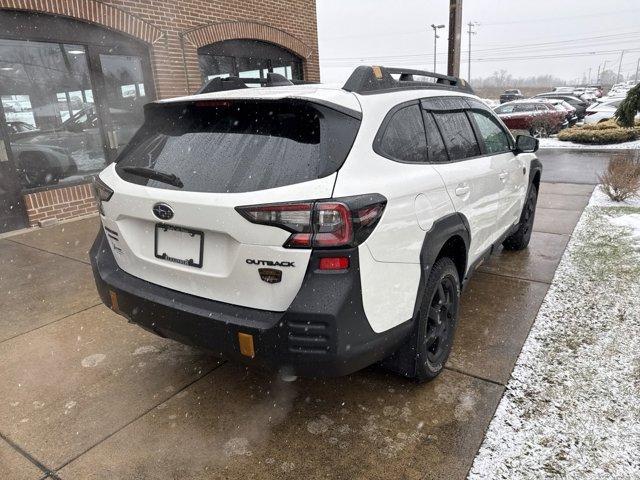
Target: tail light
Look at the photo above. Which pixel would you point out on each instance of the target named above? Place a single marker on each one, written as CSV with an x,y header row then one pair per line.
x,y
102,192
342,222
589,112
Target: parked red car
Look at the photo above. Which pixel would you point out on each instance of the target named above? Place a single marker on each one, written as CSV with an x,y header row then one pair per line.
x,y
539,117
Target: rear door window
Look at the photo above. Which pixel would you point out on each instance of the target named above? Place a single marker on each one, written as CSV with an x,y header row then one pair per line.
x,y
457,134
525,107
404,136
435,145
239,146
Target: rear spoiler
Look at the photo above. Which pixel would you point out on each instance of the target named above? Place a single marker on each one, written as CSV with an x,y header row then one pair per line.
x,y
152,107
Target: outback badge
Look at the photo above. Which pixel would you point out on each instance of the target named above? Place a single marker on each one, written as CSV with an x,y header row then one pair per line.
x,y
270,275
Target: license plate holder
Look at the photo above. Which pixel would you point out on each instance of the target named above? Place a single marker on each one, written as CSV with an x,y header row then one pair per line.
x,y
173,244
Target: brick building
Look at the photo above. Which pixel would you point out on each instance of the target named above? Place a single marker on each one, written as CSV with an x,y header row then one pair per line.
x,y
74,75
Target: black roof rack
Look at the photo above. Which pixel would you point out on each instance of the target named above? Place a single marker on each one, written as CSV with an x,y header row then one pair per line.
x,y
220,84
374,79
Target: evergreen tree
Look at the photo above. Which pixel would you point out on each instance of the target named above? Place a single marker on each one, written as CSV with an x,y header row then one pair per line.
x,y
629,107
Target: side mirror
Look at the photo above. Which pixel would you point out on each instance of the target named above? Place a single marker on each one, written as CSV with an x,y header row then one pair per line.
x,y
526,144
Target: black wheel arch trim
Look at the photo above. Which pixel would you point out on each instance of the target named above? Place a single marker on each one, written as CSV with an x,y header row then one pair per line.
x,y
403,361
443,230
534,168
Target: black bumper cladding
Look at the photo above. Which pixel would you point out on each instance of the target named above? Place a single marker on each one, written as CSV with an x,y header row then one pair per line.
x,y
323,333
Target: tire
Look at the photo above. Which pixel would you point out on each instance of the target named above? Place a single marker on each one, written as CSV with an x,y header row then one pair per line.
x,y
539,132
519,240
436,320
34,169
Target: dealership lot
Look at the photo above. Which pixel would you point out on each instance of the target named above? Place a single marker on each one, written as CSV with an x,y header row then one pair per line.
x,y
85,395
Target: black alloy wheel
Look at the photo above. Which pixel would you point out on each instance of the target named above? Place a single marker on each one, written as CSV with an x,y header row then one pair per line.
x,y
440,321
437,319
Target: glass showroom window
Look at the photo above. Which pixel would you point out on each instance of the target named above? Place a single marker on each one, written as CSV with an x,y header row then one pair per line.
x,y
124,97
49,111
248,59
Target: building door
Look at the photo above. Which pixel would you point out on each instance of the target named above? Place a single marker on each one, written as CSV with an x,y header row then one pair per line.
x,y
123,87
12,214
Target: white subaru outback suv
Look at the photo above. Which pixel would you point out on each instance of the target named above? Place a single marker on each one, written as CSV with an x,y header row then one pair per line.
x,y
313,229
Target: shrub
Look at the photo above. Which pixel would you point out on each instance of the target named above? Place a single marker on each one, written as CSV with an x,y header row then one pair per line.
x,y
541,126
606,125
622,178
600,134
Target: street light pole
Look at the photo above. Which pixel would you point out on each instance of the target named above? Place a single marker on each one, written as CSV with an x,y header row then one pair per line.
x,y
471,32
435,42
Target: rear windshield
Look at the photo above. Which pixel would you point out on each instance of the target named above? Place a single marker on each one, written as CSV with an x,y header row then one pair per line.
x,y
239,146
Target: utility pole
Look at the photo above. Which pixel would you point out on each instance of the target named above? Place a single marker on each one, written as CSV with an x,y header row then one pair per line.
x,y
435,42
455,34
604,66
620,65
637,68
598,75
471,32
589,77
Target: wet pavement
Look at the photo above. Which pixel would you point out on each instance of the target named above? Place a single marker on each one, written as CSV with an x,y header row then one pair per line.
x,y
577,166
85,395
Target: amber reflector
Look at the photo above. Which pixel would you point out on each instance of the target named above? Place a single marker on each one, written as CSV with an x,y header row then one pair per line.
x,y
246,344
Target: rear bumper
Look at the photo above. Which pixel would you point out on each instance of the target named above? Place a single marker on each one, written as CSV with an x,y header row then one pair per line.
x,y
324,332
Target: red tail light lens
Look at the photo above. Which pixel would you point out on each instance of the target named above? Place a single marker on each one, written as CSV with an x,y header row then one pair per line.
x,y
332,225
294,217
344,222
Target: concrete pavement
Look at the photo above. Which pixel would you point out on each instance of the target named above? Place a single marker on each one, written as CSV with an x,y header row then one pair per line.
x,y
577,166
85,395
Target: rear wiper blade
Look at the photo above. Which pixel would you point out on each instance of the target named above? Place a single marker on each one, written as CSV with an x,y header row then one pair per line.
x,y
163,177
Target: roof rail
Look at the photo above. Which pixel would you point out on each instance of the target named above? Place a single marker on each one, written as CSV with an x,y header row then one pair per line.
x,y
220,84
368,80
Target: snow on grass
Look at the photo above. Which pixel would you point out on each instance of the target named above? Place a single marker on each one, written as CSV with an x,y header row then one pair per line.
x,y
572,406
631,221
553,142
600,199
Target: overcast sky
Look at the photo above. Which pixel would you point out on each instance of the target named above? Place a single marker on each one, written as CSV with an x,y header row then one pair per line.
x,y
568,36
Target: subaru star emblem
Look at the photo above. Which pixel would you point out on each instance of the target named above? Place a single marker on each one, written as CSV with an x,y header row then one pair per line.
x,y
163,211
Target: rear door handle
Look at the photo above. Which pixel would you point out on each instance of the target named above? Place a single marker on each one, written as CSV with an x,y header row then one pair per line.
x,y
503,175
462,189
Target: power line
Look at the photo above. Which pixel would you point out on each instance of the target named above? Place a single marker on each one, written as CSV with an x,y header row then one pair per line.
x,y
559,55
421,32
557,18
537,46
409,61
